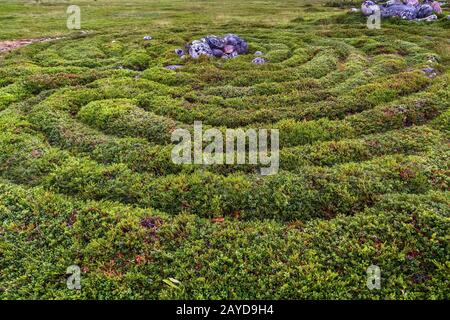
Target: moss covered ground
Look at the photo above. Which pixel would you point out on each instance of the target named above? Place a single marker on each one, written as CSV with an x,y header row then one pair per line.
x,y
86,176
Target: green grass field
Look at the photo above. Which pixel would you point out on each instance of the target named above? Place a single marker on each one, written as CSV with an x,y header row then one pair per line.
x,y
86,176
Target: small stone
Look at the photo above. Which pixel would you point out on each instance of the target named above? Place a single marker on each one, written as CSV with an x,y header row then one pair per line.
x,y
231,39
424,12
215,42
179,52
173,67
258,53
242,47
258,60
429,18
436,7
233,55
217,53
354,10
367,7
199,48
432,59
228,49
147,38
430,72
412,3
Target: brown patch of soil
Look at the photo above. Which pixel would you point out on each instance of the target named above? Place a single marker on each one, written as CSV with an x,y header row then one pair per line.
x,y
9,45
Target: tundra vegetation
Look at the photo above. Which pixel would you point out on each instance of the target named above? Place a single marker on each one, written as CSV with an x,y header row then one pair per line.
x,y
86,176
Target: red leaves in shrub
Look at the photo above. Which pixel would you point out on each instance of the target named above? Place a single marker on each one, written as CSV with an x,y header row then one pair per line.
x,y
151,222
413,254
407,173
72,218
138,259
236,214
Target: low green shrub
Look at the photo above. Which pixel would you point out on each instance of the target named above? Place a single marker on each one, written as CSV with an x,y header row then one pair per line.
x,y
127,253
89,180
137,60
55,78
123,118
313,192
405,141
294,133
442,122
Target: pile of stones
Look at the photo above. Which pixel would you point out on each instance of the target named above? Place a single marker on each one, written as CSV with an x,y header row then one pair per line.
x,y
226,47
404,9
258,59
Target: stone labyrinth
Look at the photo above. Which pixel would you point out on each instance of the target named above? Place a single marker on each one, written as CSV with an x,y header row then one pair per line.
x,y
362,119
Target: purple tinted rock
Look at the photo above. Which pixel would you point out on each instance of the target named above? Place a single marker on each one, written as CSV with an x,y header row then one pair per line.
x,y
436,7
424,11
231,39
430,72
392,2
258,60
198,48
217,53
242,47
233,54
258,53
179,52
173,67
228,48
429,18
147,38
412,3
402,11
367,7
215,42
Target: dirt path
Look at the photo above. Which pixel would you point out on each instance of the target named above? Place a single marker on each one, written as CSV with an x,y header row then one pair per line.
x,y
8,45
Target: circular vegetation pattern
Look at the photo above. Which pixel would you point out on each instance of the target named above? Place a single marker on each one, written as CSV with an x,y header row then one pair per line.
x,y
87,176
